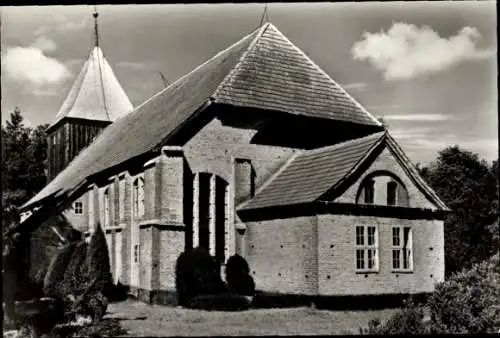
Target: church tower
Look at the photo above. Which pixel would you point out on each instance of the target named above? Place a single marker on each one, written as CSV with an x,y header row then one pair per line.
x,y
95,101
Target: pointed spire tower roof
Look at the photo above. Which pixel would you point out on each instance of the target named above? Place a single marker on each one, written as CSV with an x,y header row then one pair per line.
x,y
96,93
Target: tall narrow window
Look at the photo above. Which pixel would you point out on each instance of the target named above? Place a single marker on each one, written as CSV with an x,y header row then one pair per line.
x,y
138,197
366,248
392,188
107,211
121,198
402,245
369,191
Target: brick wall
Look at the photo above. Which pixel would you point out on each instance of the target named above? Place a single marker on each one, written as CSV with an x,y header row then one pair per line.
x,y
386,161
215,148
282,255
336,257
171,245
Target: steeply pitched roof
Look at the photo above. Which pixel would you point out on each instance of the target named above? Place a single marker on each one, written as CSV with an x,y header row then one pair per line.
x,y
311,173
262,70
96,93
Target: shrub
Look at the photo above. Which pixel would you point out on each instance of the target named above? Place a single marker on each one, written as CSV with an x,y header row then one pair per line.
x,y
237,276
406,321
97,263
55,273
74,276
468,301
196,274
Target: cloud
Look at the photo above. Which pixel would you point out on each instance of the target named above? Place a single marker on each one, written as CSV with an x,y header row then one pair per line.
x,y
44,44
31,66
355,86
416,117
135,65
407,51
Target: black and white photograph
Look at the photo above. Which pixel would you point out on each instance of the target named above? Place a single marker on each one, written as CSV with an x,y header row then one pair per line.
x,y
250,169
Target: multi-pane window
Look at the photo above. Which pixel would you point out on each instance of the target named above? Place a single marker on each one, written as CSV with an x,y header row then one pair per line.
x,y
136,253
369,191
366,248
392,188
107,208
138,197
402,248
78,207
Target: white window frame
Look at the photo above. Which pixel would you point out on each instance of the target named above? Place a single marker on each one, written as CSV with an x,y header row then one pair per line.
x,y
78,208
402,252
364,252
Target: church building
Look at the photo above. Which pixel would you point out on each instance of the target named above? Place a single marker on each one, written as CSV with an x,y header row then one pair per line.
x,y
258,152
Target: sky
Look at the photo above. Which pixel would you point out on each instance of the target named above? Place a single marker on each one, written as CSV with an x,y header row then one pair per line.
x,y
429,69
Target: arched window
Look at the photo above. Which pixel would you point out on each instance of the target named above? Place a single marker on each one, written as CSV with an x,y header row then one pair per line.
x,y
392,188
382,187
107,208
138,197
369,191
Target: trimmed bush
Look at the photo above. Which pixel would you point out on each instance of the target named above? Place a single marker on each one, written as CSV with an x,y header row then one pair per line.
x,y
196,274
54,278
74,276
238,278
97,262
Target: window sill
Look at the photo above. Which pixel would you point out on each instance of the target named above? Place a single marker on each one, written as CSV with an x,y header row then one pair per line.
x,y
362,272
402,271
118,227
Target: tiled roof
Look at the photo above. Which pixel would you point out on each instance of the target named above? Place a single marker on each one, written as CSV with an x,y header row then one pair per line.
x,y
310,173
263,70
96,93
276,75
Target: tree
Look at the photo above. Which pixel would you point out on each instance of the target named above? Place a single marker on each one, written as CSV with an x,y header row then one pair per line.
x,y
468,185
24,153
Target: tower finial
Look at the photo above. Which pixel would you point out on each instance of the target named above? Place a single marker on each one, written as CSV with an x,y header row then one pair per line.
x,y
96,15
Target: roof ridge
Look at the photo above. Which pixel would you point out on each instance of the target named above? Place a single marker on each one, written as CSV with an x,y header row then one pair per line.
x,y
318,68
271,178
344,143
358,163
195,69
412,171
236,67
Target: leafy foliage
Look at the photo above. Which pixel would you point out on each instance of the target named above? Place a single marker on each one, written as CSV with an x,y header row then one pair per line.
x,y
196,274
406,321
54,279
469,301
97,261
469,186
238,276
74,276
24,152
466,303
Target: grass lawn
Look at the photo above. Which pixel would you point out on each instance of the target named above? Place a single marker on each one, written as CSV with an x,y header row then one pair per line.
x,y
141,319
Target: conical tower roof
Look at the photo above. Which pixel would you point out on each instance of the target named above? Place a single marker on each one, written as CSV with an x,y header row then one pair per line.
x,y
96,93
